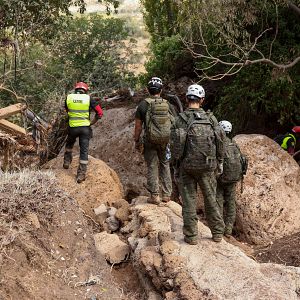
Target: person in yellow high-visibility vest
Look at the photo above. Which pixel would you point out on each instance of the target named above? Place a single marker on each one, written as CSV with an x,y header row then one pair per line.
x,y
289,140
78,105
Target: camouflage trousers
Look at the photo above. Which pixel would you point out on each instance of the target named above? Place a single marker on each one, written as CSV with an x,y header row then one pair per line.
x,y
158,169
188,191
227,204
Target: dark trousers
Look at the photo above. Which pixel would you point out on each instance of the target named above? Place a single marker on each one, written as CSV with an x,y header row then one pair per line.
x,y
84,133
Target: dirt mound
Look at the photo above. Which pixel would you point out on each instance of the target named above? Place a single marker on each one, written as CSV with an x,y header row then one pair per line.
x,y
102,184
283,251
268,208
46,245
113,143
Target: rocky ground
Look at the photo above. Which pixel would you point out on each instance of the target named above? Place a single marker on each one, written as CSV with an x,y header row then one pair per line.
x,y
270,187
205,271
101,240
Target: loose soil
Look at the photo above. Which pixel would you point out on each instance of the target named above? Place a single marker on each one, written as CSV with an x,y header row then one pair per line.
x,y
47,249
284,251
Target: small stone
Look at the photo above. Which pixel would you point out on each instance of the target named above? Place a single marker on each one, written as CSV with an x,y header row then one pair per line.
x,y
102,209
112,223
101,214
109,245
133,242
123,213
112,211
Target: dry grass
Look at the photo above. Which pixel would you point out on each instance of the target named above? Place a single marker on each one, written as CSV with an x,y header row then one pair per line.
x,y
28,192
22,194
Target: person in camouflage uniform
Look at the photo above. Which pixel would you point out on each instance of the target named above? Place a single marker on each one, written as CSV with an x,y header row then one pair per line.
x,y
226,182
158,167
206,180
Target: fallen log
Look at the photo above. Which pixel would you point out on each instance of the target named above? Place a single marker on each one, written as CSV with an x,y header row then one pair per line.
x,y
11,128
11,110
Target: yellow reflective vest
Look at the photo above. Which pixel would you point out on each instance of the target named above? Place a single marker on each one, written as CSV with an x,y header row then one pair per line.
x,y
286,139
78,110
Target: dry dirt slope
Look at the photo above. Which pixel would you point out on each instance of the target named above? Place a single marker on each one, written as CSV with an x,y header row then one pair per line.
x,y
101,186
113,143
46,245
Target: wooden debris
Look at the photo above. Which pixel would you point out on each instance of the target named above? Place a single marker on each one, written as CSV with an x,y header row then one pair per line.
x,y
11,110
11,127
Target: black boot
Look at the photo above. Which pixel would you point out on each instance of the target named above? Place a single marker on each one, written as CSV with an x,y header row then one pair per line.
x,y
67,159
81,171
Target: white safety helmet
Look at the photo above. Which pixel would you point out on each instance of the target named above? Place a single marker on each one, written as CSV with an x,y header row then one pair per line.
x,y
155,85
195,90
226,125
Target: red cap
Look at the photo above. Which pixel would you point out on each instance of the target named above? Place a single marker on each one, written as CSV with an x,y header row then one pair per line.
x,y
296,129
81,85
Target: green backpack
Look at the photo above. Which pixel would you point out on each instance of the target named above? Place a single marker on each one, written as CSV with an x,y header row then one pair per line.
x,y
195,146
235,164
158,121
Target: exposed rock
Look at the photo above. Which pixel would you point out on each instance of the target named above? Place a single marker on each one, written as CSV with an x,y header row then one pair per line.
x,y
102,184
113,224
140,200
205,271
112,211
123,210
102,209
120,203
268,208
101,214
109,245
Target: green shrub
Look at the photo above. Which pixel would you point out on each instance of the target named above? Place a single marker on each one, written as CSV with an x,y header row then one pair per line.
x,y
169,59
258,95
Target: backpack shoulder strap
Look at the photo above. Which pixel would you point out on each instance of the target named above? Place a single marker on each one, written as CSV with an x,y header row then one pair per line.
x,y
149,100
184,117
211,118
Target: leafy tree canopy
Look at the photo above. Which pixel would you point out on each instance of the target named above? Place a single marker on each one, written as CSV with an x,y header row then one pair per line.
x,y
32,16
251,47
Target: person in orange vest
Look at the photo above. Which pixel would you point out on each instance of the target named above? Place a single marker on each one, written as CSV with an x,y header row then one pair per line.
x,y
78,106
